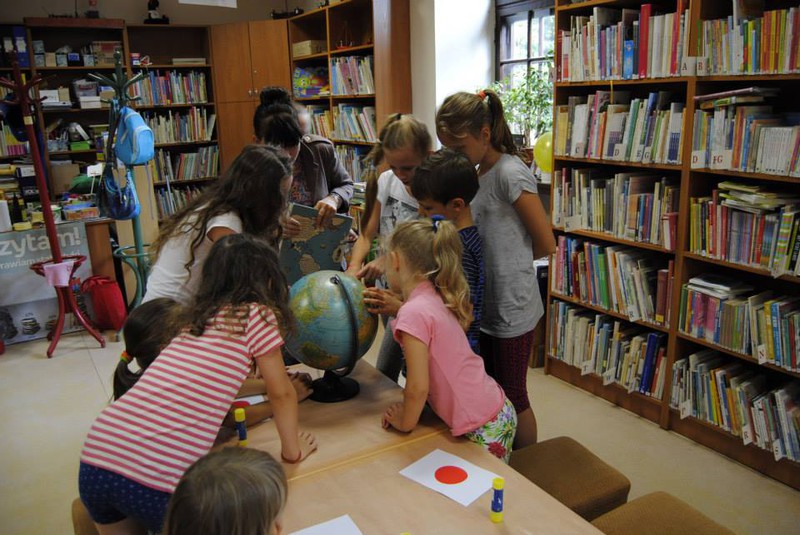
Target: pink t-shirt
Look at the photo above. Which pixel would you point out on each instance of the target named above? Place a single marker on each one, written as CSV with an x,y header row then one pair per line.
x,y
460,391
171,416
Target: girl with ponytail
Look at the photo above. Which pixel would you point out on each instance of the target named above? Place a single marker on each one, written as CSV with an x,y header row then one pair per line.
x,y
515,230
423,264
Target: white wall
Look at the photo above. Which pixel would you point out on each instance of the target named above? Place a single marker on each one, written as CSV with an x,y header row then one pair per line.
x,y
452,49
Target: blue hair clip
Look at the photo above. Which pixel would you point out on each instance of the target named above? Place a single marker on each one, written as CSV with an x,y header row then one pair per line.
x,y
436,220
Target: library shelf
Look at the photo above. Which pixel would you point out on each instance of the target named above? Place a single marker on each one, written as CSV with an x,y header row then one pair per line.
x,y
724,442
587,4
74,23
613,239
354,142
632,81
645,406
743,267
747,77
70,152
620,163
318,55
186,143
73,110
751,176
137,68
171,106
618,315
349,97
350,50
17,157
741,356
77,68
317,98
181,182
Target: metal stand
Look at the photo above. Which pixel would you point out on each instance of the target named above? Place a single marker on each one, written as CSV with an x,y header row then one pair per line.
x,y
66,300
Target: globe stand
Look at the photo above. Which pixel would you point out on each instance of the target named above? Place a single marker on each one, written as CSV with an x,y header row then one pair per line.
x,y
332,388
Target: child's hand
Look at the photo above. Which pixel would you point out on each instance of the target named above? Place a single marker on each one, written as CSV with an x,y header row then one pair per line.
x,y
291,227
308,445
371,271
383,302
301,382
394,417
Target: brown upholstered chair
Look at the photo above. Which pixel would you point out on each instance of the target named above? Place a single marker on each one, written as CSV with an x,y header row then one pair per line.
x,y
657,513
573,475
81,521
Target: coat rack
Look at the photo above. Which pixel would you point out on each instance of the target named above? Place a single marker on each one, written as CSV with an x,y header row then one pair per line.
x,y
66,299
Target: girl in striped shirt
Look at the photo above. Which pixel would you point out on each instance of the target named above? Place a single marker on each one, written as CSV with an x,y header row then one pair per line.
x,y
140,446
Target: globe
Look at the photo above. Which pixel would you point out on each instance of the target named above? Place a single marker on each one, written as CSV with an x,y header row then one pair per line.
x,y
334,330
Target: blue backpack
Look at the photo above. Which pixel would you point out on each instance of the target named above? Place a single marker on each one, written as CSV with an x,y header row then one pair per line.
x,y
135,144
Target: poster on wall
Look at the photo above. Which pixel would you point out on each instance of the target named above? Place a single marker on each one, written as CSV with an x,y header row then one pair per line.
x,y
28,305
216,3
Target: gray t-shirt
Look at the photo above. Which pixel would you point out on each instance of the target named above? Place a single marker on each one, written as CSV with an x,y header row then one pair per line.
x,y
512,305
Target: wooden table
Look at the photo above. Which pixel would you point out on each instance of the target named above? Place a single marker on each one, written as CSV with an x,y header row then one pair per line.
x,y
381,501
349,429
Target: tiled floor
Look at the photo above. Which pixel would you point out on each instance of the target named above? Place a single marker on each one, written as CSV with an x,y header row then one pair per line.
x,y
46,407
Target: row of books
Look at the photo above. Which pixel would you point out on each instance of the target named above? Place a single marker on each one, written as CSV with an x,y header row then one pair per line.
x,y
352,75
620,279
354,122
9,145
351,158
172,200
749,138
320,120
196,124
749,225
171,87
738,399
620,353
733,315
187,165
767,43
647,130
615,44
636,206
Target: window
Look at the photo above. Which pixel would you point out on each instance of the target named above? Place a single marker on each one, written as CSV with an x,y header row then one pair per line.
x,y
525,37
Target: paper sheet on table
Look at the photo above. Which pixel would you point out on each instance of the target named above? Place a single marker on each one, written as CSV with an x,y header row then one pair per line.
x,y
343,525
465,492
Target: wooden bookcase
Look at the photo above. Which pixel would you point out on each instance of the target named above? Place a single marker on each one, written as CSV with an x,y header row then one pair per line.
x,y
693,182
358,29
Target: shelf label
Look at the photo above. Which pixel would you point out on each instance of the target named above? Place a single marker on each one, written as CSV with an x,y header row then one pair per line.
x,y
586,367
618,149
762,354
776,449
638,153
578,150
747,434
647,155
609,375
572,223
699,159
686,408
689,66
702,66
721,159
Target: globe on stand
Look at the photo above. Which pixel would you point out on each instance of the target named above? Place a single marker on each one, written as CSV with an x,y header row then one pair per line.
x,y
334,330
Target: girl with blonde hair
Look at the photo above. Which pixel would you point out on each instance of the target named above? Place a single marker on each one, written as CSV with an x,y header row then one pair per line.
x,y
423,263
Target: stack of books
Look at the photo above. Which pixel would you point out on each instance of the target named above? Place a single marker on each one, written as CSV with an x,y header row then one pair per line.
x,y
646,130
352,76
320,120
187,165
351,157
354,123
194,125
171,201
172,87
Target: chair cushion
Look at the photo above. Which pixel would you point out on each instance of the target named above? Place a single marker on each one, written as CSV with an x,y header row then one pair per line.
x,y
657,513
573,475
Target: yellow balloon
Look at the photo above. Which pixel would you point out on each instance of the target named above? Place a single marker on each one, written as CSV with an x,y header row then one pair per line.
x,y
543,152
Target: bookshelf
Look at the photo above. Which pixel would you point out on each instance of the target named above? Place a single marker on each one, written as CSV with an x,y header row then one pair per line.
x,y
350,76
726,379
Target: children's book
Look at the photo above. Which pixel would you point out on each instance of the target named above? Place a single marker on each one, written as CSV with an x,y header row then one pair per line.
x,y
314,248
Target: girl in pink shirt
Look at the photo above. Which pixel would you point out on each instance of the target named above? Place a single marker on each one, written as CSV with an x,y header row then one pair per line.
x,y
424,263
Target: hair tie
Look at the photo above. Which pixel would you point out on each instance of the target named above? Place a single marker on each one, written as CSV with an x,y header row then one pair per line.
x,y
482,94
436,219
125,357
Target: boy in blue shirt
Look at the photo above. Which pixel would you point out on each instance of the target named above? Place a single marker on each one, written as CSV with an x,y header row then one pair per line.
x,y
444,185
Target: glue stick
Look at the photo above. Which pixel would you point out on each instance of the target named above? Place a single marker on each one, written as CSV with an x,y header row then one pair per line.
x,y
241,426
497,500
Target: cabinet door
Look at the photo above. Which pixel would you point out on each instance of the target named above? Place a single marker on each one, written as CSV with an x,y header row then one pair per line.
x,y
234,128
230,46
269,52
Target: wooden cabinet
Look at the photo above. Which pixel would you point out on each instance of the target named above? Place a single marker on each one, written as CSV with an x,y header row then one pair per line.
x,y
248,56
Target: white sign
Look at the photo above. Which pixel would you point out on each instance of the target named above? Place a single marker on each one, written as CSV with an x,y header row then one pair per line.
x,y
215,3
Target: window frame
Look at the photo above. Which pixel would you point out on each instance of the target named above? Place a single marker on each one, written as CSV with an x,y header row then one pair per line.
x,y
514,10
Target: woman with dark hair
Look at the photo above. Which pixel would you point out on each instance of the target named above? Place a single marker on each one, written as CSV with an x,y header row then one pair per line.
x,y
250,197
320,180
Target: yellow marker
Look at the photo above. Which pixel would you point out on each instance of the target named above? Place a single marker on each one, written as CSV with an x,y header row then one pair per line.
x,y
497,500
241,426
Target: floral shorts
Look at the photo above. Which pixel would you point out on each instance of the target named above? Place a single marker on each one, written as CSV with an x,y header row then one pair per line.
x,y
497,435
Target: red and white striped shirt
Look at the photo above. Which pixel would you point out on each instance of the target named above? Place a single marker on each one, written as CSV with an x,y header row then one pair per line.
x,y
171,416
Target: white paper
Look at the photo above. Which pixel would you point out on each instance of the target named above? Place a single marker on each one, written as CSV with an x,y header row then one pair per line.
x,y
253,400
217,3
343,525
476,483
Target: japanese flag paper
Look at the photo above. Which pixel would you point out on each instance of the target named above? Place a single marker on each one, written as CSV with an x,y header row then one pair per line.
x,y
450,475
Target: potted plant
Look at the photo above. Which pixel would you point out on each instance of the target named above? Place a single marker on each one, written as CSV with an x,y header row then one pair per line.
x,y
528,103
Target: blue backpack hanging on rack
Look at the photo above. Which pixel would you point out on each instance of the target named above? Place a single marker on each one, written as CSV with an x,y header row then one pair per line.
x,y
134,146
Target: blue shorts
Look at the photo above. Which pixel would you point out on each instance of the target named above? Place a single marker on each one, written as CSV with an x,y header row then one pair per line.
x,y
111,498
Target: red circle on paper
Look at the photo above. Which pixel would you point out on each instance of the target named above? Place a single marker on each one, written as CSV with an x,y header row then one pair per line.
x,y
450,475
